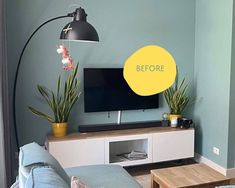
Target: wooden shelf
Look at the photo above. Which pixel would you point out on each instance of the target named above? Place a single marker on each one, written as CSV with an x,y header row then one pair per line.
x,y
78,136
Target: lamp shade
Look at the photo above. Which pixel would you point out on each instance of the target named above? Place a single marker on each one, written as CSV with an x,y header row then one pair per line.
x,y
79,28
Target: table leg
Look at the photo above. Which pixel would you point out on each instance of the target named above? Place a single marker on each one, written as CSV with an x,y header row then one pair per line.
x,y
154,184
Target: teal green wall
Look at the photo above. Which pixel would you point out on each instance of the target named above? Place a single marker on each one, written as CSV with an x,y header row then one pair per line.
x,y
212,77
198,33
123,27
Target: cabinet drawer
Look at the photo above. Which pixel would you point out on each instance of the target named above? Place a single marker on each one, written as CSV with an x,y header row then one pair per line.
x,y
78,152
173,145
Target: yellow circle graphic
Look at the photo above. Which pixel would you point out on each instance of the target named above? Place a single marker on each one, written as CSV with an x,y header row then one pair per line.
x,y
150,70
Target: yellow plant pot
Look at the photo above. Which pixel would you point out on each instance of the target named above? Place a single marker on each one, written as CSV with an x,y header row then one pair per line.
x,y
59,129
174,116
171,116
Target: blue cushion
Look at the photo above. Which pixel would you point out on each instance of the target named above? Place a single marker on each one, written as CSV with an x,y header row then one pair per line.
x,y
32,155
24,170
107,176
22,177
45,177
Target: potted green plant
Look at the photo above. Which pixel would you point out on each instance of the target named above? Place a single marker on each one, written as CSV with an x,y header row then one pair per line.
x,y
60,102
177,98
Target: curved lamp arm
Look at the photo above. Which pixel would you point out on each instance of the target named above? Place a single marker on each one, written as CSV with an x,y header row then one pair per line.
x,y
18,66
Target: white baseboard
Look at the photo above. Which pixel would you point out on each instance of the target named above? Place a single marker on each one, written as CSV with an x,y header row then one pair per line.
x,y
226,172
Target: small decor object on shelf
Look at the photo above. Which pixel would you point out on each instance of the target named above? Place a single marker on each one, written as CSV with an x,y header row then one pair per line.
x,y
133,155
165,120
61,101
174,122
177,99
185,123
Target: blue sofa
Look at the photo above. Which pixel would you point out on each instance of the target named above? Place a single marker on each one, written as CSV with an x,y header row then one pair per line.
x,y
39,169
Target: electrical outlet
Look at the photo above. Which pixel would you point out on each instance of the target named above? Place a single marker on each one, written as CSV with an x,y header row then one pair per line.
x,y
216,150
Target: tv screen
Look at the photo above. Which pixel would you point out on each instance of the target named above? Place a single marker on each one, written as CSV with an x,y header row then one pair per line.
x,y
105,89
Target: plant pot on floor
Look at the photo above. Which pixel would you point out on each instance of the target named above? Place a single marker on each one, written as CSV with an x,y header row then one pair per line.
x,y
174,119
59,129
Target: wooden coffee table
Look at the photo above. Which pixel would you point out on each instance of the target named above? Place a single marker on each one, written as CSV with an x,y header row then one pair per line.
x,y
196,175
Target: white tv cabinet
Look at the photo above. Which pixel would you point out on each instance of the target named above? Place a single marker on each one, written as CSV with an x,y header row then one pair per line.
x,y
160,144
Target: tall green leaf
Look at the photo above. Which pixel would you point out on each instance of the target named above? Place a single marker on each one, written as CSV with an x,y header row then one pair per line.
x,y
60,103
176,96
41,114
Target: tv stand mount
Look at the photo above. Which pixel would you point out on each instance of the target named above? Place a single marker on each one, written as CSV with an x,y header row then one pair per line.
x,y
119,117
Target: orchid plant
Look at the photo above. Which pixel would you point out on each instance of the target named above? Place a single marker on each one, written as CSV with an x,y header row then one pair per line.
x,y
62,101
67,60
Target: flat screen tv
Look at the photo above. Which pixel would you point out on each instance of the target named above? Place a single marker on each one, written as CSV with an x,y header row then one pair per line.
x,y
105,89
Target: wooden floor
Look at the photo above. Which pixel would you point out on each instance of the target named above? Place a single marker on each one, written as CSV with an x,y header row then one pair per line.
x,y
232,181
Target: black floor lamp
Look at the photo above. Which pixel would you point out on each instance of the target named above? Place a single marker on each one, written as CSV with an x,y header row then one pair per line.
x,y
77,30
